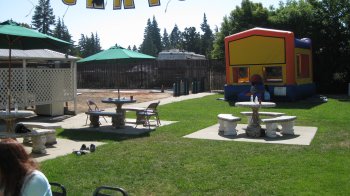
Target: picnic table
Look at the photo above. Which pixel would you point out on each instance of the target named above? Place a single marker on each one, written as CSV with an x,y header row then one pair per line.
x,y
119,102
10,118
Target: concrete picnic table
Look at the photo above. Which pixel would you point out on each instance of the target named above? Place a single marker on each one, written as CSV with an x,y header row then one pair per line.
x,y
254,129
10,118
119,102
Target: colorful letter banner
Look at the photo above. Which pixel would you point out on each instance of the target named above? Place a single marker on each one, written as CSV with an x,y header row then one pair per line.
x,y
95,4
117,4
129,4
152,3
69,2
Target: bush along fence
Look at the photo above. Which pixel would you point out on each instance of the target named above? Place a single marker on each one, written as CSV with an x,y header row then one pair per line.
x,y
180,75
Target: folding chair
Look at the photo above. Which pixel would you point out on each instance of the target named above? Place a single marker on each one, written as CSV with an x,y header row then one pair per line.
x,y
150,111
58,189
93,107
101,191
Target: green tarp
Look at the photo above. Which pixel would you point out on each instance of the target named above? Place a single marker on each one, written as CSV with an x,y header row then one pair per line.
x,y
115,53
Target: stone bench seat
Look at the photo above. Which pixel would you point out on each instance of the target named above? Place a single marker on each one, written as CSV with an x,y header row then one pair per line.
x,y
31,125
38,136
228,124
287,123
51,138
140,119
136,109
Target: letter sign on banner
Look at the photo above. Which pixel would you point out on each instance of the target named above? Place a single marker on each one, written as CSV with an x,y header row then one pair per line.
x,y
129,4
117,4
69,2
95,4
152,3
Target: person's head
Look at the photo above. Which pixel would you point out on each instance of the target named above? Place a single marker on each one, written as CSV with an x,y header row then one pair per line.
x,y
266,88
15,163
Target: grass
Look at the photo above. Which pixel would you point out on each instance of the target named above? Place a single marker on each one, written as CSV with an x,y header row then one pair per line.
x,y
164,163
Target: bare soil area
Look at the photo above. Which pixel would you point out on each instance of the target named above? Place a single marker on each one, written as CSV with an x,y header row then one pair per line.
x,y
98,94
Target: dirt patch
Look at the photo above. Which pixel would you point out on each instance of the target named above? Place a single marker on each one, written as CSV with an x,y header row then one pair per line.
x,y
97,95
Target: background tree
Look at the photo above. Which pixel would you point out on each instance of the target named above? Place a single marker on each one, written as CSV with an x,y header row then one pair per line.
x,y
155,35
175,38
43,17
294,16
207,38
89,45
248,16
191,40
331,38
149,45
61,32
165,40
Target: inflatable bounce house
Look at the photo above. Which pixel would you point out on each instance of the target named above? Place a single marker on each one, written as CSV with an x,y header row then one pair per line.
x,y
283,62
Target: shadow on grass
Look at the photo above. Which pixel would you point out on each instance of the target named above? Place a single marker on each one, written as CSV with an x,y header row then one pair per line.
x,y
343,98
81,135
303,104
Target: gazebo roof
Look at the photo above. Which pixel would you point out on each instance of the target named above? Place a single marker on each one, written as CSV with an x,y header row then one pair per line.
x,y
42,54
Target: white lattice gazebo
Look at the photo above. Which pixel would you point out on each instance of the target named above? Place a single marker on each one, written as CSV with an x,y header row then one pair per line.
x,y
42,78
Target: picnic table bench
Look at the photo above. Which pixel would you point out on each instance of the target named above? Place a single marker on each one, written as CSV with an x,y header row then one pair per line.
x,y
287,123
95,116
228,124
38,137
50,138
140,119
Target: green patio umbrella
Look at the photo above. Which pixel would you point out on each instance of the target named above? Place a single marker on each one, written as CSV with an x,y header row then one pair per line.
x,y
116,53
13,36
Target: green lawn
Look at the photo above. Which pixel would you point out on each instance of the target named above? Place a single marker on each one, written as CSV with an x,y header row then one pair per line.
x,y
165,163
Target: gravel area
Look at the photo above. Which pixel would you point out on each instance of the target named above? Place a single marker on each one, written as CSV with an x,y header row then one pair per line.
x,y
141,95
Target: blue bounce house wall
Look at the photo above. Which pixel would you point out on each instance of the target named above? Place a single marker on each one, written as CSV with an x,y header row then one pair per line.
x,y
293,92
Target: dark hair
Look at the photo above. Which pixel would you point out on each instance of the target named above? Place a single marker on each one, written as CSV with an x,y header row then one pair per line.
x,y
15,164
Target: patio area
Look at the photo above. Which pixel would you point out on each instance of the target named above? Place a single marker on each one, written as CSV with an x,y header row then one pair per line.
x,y
302,135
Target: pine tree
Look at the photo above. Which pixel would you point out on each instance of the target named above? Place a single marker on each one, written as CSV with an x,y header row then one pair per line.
x,y
155,35
147,45
175,38
207,38
97,44
191,40
61,32
89,45
152,43
43,17
165,40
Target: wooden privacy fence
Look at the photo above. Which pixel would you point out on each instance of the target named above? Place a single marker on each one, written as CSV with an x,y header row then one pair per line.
x,y
150,74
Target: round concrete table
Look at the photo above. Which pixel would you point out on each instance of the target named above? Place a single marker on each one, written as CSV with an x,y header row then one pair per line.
x,y
120,120
10,118
254,128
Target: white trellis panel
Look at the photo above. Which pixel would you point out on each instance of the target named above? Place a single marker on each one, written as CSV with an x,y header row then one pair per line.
x,y
37,86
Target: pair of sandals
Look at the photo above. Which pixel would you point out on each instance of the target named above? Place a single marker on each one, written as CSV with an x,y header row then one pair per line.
x,y
91,149
84,149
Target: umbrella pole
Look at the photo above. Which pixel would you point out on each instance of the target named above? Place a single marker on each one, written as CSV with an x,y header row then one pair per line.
x,y
9,81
